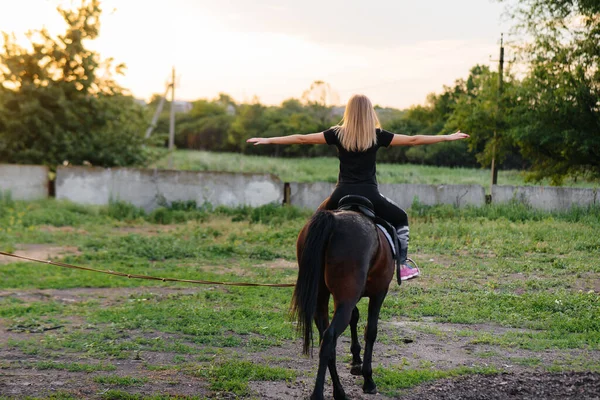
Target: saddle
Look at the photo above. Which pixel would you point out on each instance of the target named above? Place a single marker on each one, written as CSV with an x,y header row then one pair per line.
x,y
364,206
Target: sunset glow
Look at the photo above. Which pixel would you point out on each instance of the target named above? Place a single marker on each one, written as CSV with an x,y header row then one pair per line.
x,y
275,49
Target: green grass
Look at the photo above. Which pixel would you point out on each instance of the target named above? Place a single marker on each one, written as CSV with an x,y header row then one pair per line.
x,y
120,395
391,381
325,169
526,361
73,367
233,376
534,274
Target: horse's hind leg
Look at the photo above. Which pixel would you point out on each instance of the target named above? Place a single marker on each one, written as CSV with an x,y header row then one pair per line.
x,y
375,303
339,322
322,312
356,368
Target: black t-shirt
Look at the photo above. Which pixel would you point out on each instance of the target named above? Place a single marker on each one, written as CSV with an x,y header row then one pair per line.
x,y
358,166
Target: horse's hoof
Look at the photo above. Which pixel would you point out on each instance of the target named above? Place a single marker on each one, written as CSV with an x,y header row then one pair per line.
x,y
370,390
356,370
339,395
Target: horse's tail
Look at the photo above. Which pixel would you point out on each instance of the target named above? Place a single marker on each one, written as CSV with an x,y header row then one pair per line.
x,y
304,300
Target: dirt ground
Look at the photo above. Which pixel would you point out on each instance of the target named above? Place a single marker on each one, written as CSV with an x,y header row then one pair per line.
x,y
402,343
526,386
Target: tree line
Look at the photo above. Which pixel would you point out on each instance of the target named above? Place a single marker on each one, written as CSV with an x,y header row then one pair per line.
x,y
59,102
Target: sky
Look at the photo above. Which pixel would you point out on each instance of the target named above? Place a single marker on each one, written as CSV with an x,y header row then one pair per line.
x,y
394,51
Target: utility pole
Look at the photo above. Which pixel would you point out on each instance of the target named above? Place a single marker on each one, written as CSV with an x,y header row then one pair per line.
x,y
157,112
498,114
172,121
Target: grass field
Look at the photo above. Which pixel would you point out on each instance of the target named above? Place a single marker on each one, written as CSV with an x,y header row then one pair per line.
x,y
325,169
503,289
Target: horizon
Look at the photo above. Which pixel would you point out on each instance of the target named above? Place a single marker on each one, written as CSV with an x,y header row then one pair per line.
x,y
275,50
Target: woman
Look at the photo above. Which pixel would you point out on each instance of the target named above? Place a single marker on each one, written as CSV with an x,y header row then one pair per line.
x,y
357,139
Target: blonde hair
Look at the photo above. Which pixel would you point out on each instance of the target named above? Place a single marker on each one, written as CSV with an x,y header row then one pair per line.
x,y
357,130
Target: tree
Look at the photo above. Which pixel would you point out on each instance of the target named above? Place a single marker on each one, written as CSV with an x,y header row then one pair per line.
x,y
206,125
319,97
59,101
556,122
481,112
249,122
430,119
291,118
322,93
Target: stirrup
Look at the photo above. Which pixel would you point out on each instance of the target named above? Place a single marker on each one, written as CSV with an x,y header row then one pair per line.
x,y
412,261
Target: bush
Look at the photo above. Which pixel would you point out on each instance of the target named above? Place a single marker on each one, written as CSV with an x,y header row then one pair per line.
x,y
6,202
267,214
123,211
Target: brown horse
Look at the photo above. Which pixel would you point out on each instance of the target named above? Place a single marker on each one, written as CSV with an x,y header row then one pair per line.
x,y
340,253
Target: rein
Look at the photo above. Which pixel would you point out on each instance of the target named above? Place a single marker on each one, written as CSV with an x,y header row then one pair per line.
x,y
154,278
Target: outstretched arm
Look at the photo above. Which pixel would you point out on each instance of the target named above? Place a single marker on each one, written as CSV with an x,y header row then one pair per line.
x,y
311,138
405,140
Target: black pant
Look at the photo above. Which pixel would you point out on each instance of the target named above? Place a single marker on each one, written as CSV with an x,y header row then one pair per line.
x,y
384,207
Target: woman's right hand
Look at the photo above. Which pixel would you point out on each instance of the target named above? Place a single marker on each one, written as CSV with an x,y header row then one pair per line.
x,y
258,140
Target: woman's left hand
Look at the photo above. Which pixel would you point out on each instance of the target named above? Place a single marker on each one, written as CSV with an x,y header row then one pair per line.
x,y
458,136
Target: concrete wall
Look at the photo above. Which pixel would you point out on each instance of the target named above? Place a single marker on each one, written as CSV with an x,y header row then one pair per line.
x,y
24,182
545,197
310,195
459,195
151,188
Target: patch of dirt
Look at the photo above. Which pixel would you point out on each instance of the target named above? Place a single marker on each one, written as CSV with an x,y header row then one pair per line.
x,y
280,263
222,270
524,386
404,344
146,230
302,388
588,281
106,296
41,252
65,229
450,346
21,383
434,258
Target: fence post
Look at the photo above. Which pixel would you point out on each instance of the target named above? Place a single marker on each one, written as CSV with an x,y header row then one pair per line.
x,y
287,194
